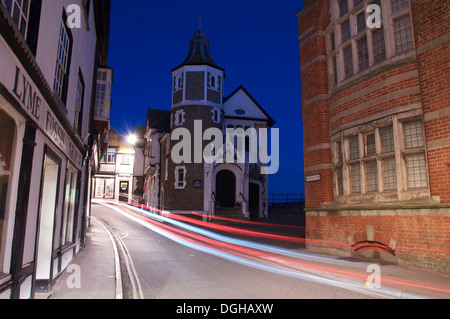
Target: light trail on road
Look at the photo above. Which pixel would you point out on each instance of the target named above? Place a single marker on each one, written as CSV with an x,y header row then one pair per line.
x,y
266,257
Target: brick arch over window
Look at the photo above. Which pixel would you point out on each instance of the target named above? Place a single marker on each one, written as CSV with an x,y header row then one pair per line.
x,y
372,240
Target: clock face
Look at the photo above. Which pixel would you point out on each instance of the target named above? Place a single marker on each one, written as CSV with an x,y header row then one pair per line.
x,y
240,112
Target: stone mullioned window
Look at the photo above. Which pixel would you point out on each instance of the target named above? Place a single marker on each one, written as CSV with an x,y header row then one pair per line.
x,y
353,47
384,157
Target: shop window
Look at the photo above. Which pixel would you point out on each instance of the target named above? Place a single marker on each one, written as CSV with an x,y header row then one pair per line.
x,y
7,137
69,208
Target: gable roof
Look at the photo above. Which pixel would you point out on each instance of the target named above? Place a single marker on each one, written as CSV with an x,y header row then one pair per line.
x,y
270,120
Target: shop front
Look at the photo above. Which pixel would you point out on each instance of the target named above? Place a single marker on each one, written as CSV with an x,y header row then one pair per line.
x,y
42,183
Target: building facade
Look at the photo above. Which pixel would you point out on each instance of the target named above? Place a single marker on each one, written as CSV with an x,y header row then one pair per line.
x,y
236,189
47,141
376,128
116,177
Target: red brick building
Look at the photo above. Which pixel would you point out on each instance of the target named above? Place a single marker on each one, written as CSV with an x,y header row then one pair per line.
x,y
376,112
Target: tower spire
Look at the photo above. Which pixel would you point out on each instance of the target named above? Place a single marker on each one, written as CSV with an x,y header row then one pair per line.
x,y
200,22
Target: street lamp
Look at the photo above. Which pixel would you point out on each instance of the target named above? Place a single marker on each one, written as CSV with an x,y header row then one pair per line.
x,y
131,139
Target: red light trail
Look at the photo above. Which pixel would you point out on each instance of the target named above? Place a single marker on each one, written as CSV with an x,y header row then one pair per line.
x,y
294,263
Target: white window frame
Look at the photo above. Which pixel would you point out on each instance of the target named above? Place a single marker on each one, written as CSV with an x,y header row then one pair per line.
x,y
108,154
214,81
216,114
180,114
178,82
20,19
180,184
62,60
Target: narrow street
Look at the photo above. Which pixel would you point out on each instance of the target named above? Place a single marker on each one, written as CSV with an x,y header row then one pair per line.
x,y
170,270
182,262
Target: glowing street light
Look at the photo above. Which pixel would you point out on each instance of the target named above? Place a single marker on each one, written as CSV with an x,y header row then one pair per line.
x,y
131,139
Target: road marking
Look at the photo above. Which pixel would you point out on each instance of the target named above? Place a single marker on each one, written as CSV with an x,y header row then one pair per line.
x,y
119,288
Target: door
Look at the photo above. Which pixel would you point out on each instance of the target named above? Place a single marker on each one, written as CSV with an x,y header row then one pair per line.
x,y
226,189
123,191
254,200
49,195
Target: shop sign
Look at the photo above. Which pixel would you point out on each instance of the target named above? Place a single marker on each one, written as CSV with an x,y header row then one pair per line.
x,y
32,102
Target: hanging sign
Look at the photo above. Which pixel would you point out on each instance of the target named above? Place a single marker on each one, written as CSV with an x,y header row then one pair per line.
x,y
4,169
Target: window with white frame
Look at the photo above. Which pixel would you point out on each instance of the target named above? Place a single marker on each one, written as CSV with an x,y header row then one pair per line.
x,y
178,82
386,163
216,118
179,117
356,46
125,159
180,177
19,11
101,93
214,82
60,83
111,155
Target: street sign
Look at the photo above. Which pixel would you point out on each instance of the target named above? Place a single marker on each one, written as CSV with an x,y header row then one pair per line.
x,y
313,178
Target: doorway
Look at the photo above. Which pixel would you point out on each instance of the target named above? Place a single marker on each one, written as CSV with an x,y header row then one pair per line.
x,y
254,201
123,191
225,189
49,195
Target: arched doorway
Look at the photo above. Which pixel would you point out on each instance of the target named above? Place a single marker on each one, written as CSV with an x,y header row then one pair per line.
x,y
225,188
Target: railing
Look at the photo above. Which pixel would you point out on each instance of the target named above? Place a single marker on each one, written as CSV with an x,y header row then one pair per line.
x,y
282,199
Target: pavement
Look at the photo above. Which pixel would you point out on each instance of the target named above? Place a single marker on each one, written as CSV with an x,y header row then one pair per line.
x,y
93,273
95,265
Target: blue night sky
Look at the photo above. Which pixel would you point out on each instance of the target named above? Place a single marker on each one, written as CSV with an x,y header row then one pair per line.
x,y
255,41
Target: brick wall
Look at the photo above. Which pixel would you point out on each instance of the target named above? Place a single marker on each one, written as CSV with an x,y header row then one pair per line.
x,y
419,235
432,36
316,116
417,240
